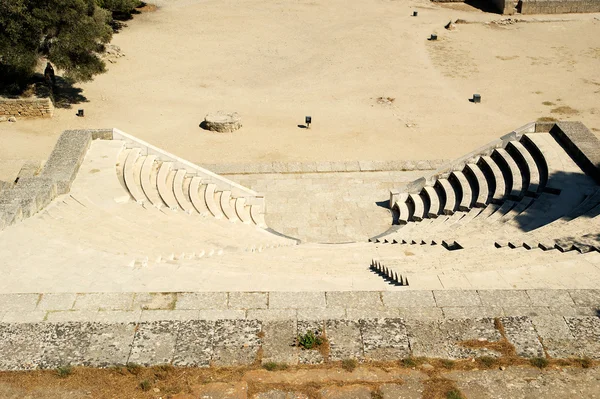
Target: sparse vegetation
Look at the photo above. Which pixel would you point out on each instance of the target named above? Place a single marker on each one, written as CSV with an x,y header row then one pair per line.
x,y
145,385
349,364
487,361
272,366
539,362
548,103
453,394
64,371
311,339
411,361
564,110
376,394
133,368
447,364
584,362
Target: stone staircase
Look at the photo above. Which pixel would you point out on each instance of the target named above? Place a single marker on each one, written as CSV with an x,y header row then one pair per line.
x,y
525,190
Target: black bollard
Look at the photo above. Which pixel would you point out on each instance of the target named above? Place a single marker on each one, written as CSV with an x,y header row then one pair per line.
x,y
476,98
433,37
415,13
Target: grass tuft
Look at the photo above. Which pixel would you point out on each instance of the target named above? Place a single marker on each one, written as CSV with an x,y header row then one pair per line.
x,y
133,368
311,339
145,385
539,362
349,364
272,366
64,371
487,361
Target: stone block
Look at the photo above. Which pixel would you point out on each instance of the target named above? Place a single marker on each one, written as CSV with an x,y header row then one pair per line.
x,y
118,316
66,344
428,313
550,298
384,339
504,298
319,314
588,298
62,316
194,347
248,300
35,316
408,299
296,300
154,342
220,390
456,298
521,333
527,311
354,299
272,314
346,392
310,356
56,301
344,338
278,342
279,394
109,344
19,302
427,339
104,301
236,342
229,314
459,331
155,300
22,345
201,300
472,312
157,315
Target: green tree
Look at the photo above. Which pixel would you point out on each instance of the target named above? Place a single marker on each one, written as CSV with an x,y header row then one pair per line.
x,y
69,33
118,6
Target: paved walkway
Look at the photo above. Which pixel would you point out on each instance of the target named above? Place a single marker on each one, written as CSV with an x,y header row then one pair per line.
x,y
328,207
225,329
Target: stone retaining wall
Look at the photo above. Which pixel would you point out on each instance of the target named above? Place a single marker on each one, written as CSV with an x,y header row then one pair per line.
x,y
26,107
240,328
559,6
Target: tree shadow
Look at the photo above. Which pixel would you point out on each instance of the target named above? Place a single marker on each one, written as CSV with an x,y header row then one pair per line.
x,y
63,94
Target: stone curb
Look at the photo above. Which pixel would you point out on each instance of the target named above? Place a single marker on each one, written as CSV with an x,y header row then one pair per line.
x,y
323,167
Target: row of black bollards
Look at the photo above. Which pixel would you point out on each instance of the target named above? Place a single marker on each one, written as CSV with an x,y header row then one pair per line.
x,y
388,274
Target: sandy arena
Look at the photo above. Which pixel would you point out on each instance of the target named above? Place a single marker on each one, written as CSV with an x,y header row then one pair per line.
x,y
274,63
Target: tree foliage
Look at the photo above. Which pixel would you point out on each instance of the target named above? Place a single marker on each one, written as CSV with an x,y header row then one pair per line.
x,y
69,33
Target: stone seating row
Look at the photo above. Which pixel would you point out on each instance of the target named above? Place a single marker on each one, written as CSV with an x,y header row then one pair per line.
x,y
163,184
532,188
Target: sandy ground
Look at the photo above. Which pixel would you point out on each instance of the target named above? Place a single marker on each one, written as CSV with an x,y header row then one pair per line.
x,y
276,61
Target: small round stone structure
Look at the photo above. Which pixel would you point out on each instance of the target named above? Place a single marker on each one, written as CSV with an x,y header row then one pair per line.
x,y
222,122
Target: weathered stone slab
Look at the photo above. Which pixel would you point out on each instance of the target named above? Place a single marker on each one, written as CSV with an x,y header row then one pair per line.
x,y
456,298
458,331
421,313
587,298
62,316
23,317
346,392
384,339
201,300
521,333
220,390
296,300
550,298
354,299
109,344
104,301
154,300
527,311
311,356
154,342
319,314
408,299
66,344
157,315
279,394
56,301
279,342
118,316
229,314
18,302
427,339
504,298
22,345
236,342
248,300
194,347
344,338
272,314
555,336
472,312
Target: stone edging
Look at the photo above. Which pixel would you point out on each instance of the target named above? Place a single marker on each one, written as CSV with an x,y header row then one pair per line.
x,y
323,166
26,107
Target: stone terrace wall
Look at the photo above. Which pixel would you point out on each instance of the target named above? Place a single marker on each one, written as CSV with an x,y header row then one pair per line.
x,y
559,6
26,107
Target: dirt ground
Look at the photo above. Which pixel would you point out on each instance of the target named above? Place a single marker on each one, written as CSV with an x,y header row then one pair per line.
x,y
442,380
276,61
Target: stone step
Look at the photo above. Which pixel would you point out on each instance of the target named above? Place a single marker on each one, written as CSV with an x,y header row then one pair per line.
x,y
180,192
449,195
148,178
164,182
526,162
494,176
512,174
131,174
466,197
483,192
434,202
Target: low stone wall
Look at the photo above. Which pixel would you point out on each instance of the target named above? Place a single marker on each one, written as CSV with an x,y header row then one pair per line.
x,y
26,107
559,6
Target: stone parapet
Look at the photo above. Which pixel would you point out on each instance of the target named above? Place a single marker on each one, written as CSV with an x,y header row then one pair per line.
x,y
559,6
26,107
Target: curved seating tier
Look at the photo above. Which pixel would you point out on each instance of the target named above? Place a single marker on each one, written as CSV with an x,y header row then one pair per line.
x,y
162,183
528,194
